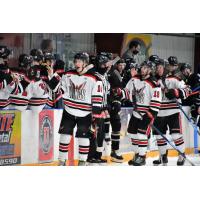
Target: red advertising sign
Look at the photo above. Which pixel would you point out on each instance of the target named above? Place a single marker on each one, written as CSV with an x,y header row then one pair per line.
x,y
46,136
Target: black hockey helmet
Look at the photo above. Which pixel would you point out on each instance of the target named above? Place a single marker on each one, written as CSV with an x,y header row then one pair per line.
x,y
154,58
59,64
82,56
25,60
110,56
148,64
129,60
37,55
48,56
173,61
185,66
4,52
162,62
134,65
102,58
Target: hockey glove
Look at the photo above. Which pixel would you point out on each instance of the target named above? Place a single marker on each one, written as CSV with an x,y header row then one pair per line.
x,y
115,107
8,78
178,93
117,93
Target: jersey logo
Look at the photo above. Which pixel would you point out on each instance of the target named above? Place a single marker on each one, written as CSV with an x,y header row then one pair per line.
x,y
77,92
140,95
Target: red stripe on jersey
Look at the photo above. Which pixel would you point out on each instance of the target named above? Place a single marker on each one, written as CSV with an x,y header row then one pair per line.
x,y
155,104
4,103
143,142
142,109
134,141
76,105
63,148
97,99
168,105
161,142
84,150
18,101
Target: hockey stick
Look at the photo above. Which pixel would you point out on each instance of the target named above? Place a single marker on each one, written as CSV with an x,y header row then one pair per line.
x,y
187,117
172,145
196,89
115,60
195,127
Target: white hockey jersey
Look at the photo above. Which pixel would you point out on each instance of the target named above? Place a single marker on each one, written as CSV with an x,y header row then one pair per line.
x,y
170,107
146,94
5,90
82,94
38,95
106,89
20,98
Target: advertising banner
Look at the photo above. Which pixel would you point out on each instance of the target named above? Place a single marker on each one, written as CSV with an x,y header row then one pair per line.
x,y
10,138
46,136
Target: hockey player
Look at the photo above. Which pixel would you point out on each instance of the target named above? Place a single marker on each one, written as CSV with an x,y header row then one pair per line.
x,y
130,70
59,68
115,98
7,84
146,94
39,90
102,66
169,115
192,103
20,99
82,95
48,62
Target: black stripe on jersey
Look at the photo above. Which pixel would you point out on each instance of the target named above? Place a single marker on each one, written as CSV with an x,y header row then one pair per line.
x,y
37,101
171,102
142,106
18,104
169,107
17,98
78,108
4,103
97,96
81,146
154,101
163,144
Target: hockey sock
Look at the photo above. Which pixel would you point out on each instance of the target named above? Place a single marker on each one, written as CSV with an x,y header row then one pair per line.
x,y
84,145
134,141
162,145
64,146
115,138
179,142
142,144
